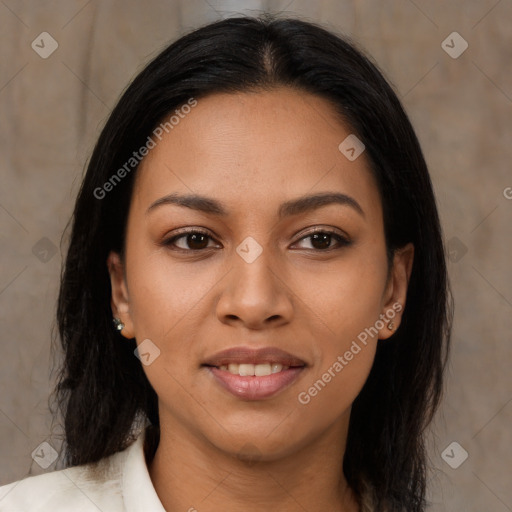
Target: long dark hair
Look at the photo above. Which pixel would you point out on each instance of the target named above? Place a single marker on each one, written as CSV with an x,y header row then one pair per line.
x,y
102,388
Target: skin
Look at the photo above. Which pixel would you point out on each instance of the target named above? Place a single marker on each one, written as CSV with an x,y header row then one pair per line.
x,y
252,152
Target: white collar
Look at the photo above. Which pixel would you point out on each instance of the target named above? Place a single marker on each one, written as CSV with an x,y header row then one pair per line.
x,y
138,490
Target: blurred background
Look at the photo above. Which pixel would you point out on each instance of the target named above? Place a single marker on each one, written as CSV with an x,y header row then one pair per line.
x,y
63,65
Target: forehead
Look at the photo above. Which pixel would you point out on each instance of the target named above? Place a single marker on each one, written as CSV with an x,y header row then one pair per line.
x,y
253,148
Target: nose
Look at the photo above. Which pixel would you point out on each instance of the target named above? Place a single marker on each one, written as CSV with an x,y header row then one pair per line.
x,y
256,294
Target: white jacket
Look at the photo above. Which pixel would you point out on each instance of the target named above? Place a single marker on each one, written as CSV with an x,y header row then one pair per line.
x,y
119,483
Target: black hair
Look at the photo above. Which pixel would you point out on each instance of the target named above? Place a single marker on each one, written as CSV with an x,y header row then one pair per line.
x,y
102,387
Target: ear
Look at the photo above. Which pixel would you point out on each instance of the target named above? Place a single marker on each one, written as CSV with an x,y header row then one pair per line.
x,y
119,300
395,295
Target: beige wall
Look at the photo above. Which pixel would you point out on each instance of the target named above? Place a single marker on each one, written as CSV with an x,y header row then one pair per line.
x,y
51,113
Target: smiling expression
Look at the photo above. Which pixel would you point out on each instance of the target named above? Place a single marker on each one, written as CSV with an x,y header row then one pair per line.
x,y
249,230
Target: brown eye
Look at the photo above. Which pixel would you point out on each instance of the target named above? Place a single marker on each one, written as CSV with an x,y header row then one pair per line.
x,y
321,240
192,241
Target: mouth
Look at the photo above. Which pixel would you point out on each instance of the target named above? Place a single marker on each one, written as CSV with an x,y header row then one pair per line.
x,y
254,370
254,374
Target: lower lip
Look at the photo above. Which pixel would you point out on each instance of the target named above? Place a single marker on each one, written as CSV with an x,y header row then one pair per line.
x,y
255,388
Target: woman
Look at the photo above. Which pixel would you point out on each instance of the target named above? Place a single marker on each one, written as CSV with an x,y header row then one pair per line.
x,y
258,222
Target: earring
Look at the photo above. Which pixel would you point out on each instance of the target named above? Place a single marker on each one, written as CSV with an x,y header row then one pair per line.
x,y
118,324
391,326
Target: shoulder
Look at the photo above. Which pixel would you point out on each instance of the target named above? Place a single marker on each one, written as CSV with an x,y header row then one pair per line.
x,y
90,487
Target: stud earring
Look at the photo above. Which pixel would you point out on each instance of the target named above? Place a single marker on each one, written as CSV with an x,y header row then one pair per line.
x,y
118,324
391,326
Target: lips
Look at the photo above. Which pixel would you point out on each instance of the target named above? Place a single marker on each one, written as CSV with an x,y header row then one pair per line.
x,y
245,355
244,372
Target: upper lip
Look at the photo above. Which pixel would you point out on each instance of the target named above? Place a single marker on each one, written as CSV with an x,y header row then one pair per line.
x,y
246,355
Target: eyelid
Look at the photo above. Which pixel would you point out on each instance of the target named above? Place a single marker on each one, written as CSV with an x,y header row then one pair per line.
x,y
324,229
190,230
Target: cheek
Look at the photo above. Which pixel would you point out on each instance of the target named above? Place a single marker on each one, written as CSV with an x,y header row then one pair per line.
x,y
166,307
346,306
348,298
335,386
164,294
346,351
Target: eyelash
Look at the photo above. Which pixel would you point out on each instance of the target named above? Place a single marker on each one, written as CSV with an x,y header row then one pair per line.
x,y
342,240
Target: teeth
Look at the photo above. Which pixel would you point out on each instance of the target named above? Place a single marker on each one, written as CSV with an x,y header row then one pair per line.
x,y
276,368
258,370
261,370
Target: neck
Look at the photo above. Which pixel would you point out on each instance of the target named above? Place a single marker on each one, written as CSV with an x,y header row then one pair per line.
x,y
191,474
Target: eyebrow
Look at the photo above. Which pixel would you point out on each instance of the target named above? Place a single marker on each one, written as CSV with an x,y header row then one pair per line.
x,y
287,209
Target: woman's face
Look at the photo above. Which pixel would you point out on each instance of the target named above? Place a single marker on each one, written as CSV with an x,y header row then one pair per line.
x,y
270,171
